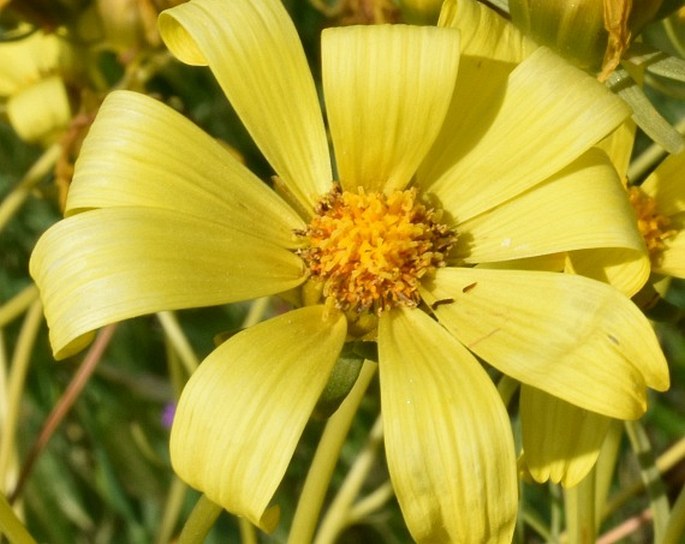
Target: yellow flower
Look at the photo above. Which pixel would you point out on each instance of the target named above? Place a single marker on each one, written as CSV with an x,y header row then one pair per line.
x,y
37,102
442,163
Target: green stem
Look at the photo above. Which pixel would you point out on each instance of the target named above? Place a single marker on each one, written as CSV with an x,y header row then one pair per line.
x,y
372,502
325,459
337,516
664,462
15,386
675,529
580,511
13,201
18,304
172,510
247,532
178,340
200,521
652,479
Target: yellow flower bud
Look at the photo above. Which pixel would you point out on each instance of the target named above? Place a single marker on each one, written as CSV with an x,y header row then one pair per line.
x,y
592,34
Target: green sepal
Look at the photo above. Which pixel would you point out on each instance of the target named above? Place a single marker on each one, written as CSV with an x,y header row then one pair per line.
x,y
344,376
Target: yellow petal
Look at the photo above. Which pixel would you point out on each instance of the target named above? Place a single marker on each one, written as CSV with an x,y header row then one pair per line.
x,y
561,442
27,61
583,206
140,152
619,146
387,89
111,264
242,412
666,185
575,338
671,261
447,435
484,33
40,111
255,53
626,269
550,114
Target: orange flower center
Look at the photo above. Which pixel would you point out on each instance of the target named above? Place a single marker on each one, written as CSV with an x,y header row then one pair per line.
x,y
653,226
370,251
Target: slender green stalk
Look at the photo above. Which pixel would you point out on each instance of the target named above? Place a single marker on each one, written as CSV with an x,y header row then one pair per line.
x,y
337,516
651,478
506,388
325,459
200,521
172,510
10,526
664,462
580,511
18,304
605,468
13,201
257,311
642,164
15,386
178,340
675,529
372,502
247,532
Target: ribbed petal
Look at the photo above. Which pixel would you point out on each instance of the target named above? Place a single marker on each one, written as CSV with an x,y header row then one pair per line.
x,y
561,442
550,114
111,264
242,412
38,112
672,259
583,206
255,53
575,338
26,61
140,152
387,90
447,435
666,185
626,269
484,33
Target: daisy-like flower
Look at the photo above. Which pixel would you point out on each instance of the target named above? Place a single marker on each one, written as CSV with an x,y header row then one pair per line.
x,y
442,162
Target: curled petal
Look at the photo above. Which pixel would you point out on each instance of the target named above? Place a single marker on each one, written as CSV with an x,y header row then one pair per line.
x,y
549,115
447,434
110,264
575,338
242,412
582,206
253,49
139,152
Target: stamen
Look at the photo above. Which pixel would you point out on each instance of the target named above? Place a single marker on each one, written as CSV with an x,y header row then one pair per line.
x,y
652,225
371,251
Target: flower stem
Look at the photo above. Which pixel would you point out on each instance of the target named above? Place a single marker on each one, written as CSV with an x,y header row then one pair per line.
x,y
200,521
325,459
650,475
18,304
178,340
338,514
15,386
580,511
13,201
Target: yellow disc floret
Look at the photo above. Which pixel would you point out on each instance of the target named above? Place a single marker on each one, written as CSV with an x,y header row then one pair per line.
x,y
653,226
371,250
